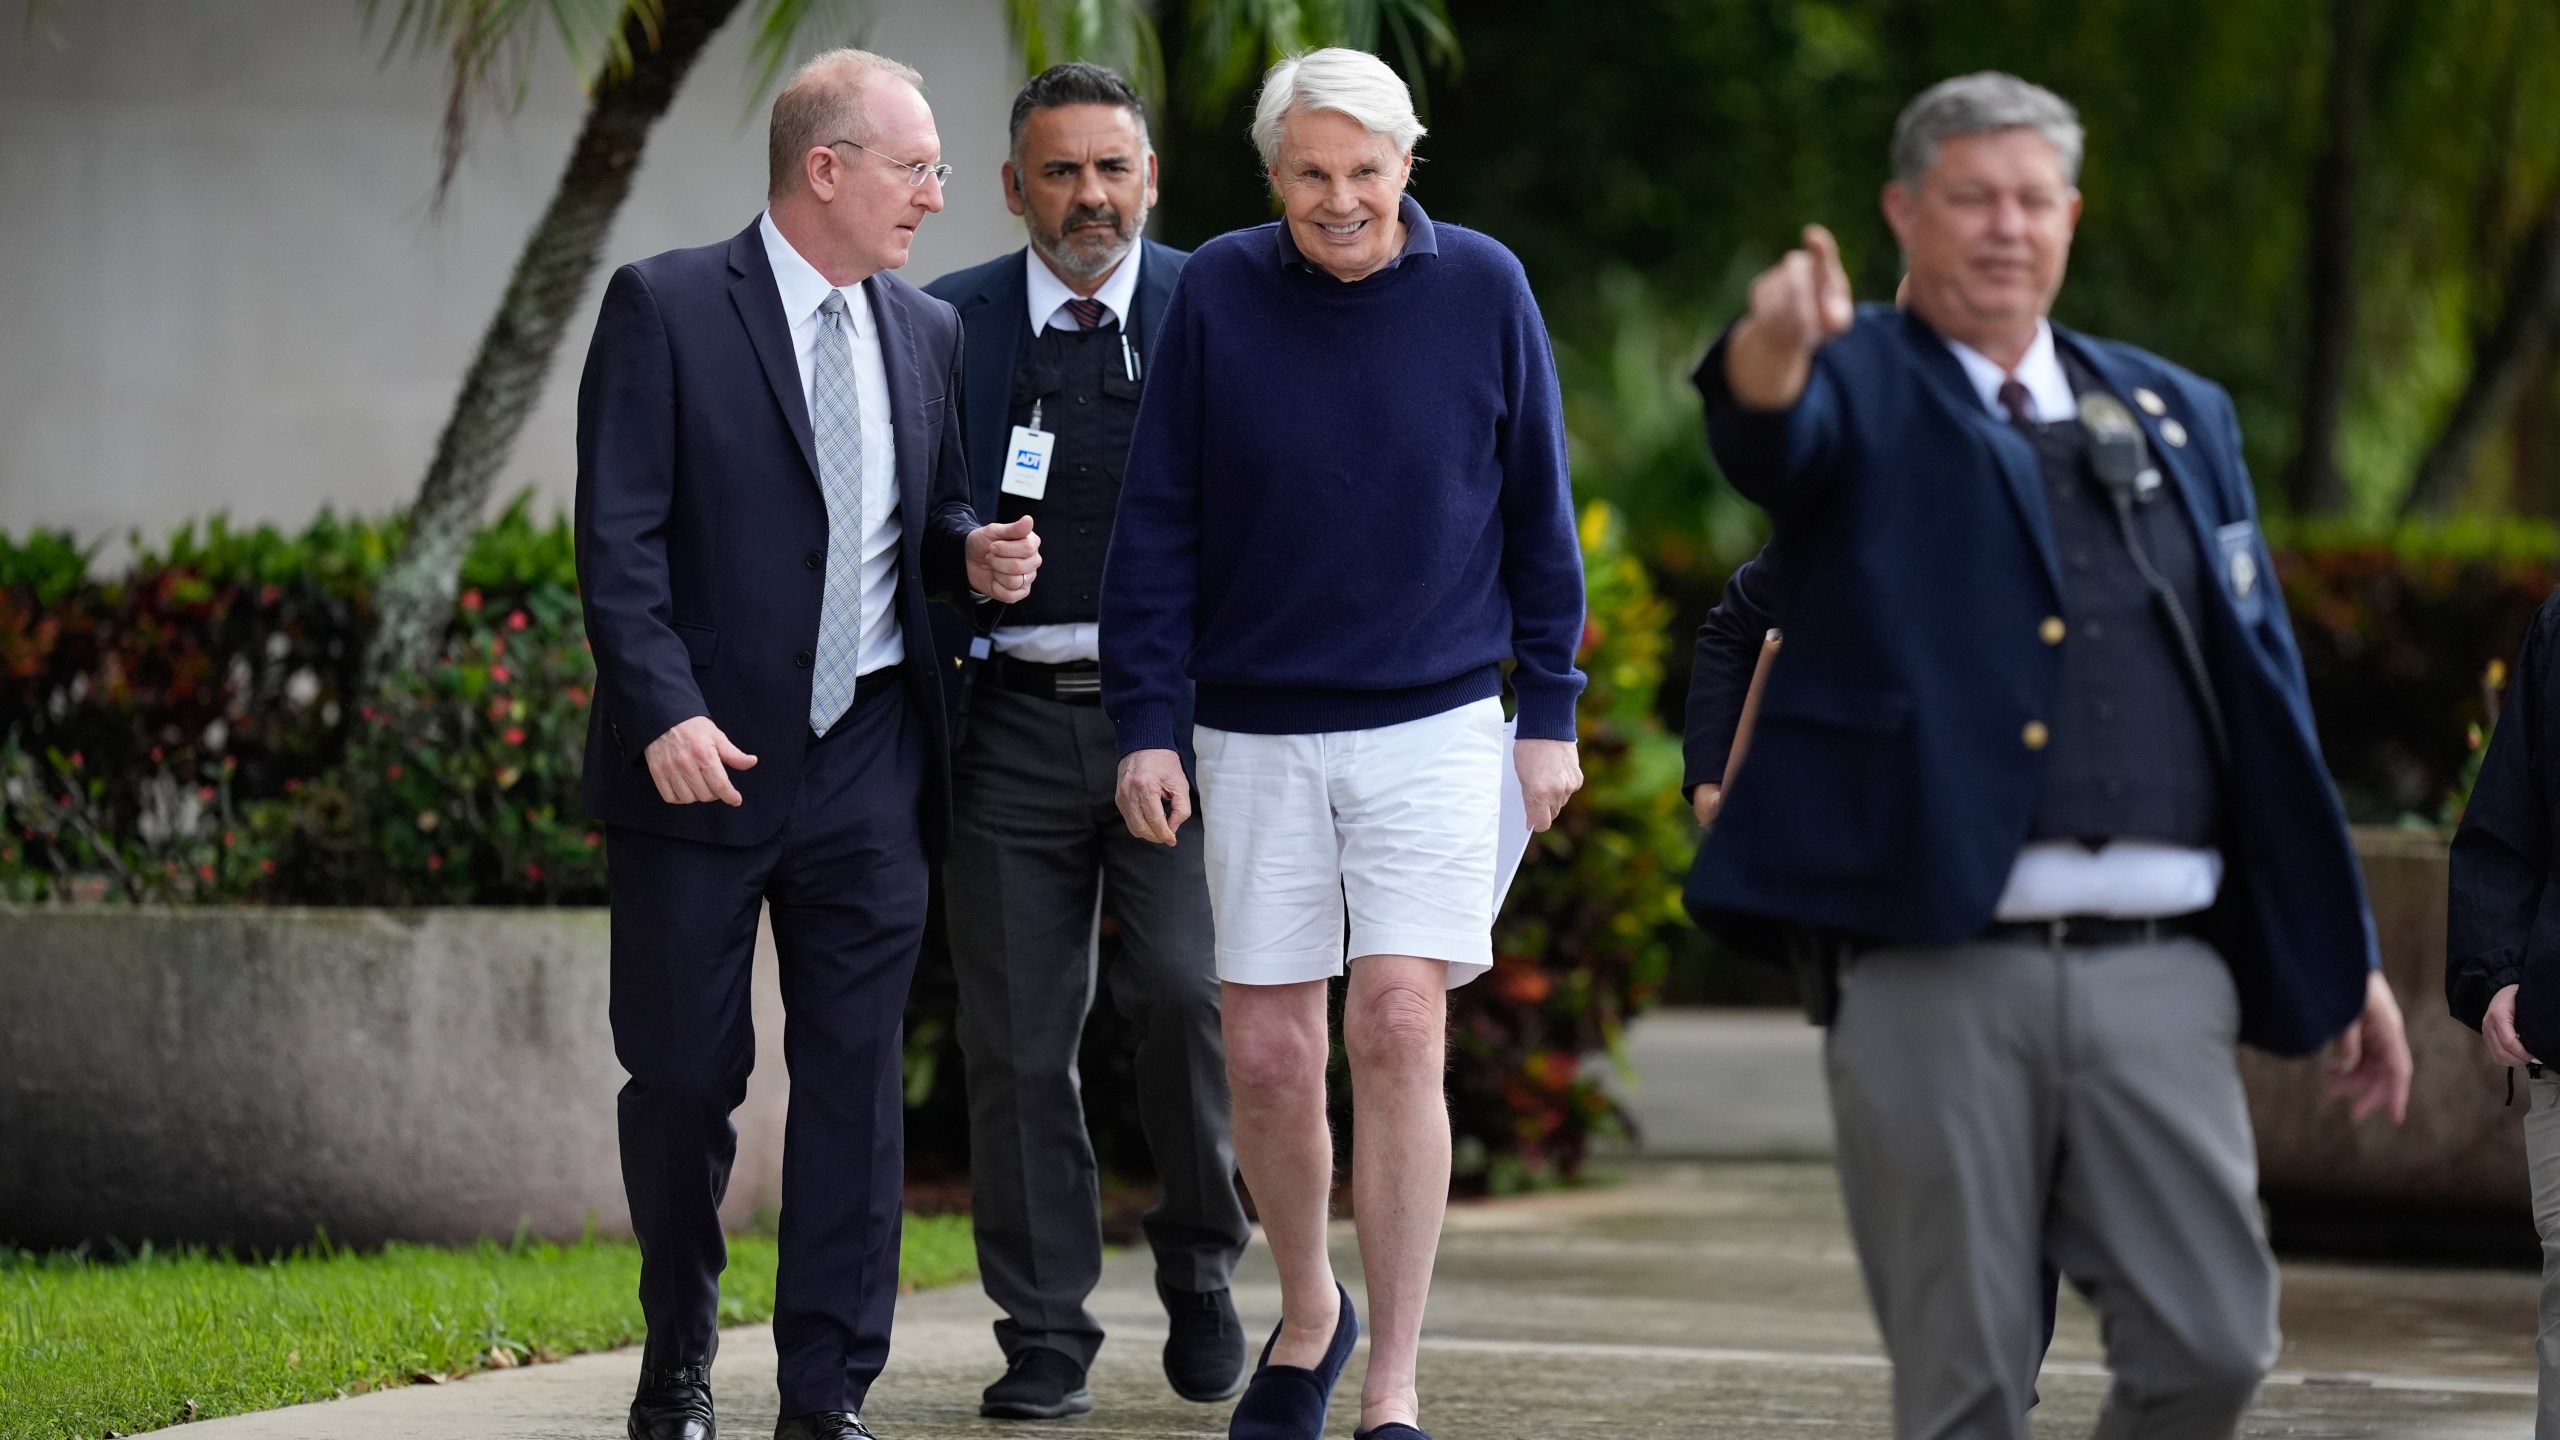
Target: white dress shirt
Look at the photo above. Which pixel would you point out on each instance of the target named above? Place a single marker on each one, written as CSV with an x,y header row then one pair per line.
x,y
803,291
1062,644
2123,879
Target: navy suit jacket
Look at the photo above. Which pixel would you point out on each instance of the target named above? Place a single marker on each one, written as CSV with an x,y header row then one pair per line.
x,y
1890,784
702,531
994,301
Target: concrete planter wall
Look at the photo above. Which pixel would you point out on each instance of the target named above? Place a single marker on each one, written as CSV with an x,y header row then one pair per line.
x,y
242,1076
2462,1149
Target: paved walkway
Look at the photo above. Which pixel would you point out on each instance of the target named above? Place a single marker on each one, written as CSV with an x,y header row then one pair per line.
x,y
1704,1297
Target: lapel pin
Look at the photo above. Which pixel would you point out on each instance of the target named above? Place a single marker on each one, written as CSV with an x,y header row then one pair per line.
x,y
2174,433
2150,401
2244,573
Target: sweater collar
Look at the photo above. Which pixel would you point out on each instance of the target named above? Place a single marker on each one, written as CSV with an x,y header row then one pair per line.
x,y
1418,239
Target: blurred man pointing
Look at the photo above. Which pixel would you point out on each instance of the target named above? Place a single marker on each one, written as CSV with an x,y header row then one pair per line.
x,y
2035,770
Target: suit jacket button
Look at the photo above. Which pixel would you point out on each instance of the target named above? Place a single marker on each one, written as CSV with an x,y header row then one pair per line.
x,y
2051,631
2035,735
804,659
814,559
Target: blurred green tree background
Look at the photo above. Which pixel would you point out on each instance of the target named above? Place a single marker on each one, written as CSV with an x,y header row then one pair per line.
x,y
2345,211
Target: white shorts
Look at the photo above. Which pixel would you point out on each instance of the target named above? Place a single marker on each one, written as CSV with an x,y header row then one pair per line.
x,y
1398,822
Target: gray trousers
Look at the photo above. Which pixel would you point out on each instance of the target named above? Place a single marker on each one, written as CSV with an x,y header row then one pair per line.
x,y
2542,1155
1998,1103
1036,840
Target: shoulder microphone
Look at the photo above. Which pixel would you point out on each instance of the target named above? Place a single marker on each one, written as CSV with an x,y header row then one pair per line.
x,y
2118,454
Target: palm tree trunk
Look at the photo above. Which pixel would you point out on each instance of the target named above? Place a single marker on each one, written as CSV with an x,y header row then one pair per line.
x,y
2315,487
415,595
2527,321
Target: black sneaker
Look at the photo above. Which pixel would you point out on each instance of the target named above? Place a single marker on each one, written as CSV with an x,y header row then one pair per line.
x,y
1204,1352
1039,1384
674,1404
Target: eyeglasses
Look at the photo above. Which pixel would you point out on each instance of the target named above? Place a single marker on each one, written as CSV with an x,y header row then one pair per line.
x,y
916,174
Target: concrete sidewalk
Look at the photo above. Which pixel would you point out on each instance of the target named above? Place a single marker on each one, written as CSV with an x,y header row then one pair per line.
x,y
1692,1300
1714,1295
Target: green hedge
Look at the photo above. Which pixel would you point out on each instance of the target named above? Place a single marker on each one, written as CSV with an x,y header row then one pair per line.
x,y
185,732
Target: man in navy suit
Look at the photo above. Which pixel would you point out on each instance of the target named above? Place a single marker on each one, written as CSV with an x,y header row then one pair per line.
x,y
1059,334
770,482
2036,766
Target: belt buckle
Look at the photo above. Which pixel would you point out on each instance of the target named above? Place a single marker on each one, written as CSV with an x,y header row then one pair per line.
x,y
1077,683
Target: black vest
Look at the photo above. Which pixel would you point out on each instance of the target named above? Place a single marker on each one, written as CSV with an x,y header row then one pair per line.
x,y
2130,756
1080,380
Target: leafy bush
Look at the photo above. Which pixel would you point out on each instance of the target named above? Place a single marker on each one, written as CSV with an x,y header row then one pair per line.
x,y
1586,937
181,732
2400,634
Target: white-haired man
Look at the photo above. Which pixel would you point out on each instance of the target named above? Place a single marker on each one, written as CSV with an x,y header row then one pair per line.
x,y
772,734
1346,507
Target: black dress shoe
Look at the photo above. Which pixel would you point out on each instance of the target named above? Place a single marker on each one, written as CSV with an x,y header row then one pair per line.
x,y
674,1404
822,1425
1204,1353
1039,1384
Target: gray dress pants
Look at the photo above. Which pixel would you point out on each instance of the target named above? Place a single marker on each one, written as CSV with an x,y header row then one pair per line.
x,y
2001,1102
2542,1156
1037,839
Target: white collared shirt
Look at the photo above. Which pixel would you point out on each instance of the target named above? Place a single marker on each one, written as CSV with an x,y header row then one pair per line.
x,y
803,290
1063,644
2049,392
2122,879
1049,294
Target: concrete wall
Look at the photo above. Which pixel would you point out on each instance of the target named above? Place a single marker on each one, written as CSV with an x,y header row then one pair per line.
x,y
2462,1149
242,1076
221,288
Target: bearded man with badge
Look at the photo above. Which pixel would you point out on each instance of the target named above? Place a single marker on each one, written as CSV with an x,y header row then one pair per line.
x,y
2035,774
1058,334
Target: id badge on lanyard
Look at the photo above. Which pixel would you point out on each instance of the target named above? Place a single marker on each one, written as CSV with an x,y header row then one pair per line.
x,y
1026,465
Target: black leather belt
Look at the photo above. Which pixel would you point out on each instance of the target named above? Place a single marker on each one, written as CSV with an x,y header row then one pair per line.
x,y
2086,932
1077,682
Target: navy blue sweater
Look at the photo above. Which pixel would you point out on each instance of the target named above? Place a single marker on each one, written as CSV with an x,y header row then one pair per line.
x,y
1345,505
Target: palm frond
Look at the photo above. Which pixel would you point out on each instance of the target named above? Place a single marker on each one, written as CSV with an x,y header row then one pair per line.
x,y
1117,33
1233,41
488,48
786,29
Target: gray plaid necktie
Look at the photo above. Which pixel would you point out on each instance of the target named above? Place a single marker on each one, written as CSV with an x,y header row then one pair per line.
x,y
835,421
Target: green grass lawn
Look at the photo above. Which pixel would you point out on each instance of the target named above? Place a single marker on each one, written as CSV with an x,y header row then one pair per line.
x,y
87,1347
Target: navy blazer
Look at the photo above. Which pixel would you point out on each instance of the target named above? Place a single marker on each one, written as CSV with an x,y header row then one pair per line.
x,y
994,300
702,532
1891,783
1720,667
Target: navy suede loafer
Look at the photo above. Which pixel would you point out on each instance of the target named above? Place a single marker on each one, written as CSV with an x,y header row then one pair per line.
x,y
1288,1402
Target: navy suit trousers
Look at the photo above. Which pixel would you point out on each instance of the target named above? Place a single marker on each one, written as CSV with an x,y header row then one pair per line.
x,y
846,879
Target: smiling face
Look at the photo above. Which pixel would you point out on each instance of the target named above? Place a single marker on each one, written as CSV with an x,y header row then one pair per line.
x,y
1988,236
1083,180
1339,185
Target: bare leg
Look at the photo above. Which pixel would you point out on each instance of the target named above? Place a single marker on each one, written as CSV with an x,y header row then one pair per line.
x,y
1276,1049
1395,1028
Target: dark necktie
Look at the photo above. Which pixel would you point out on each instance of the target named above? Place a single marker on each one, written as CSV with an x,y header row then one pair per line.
x,y
2013,398
1088,313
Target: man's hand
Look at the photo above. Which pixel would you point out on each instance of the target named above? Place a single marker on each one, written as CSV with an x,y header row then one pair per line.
x,y
2370,1067
1706,800
2498,1027
1550,771
1796,305
691,764
1154,794
1002,560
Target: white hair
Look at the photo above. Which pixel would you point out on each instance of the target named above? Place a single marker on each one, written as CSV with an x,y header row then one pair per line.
x,y
1349,82
1980,104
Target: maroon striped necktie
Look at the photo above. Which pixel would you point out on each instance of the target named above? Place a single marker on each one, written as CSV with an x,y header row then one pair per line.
x,y
1088,313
